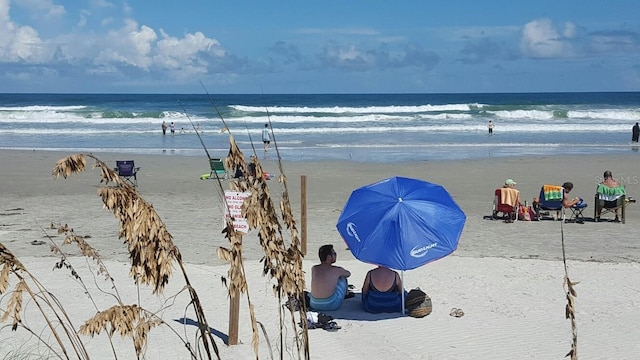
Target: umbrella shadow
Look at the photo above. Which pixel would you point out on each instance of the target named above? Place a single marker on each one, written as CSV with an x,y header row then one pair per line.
x,y
186,321
351,309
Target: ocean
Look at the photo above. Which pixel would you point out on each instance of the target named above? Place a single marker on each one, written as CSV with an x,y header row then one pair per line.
x,y
357,127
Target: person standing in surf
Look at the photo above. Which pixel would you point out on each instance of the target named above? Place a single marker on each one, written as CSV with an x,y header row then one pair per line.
x,y
164,128
490,126
266,139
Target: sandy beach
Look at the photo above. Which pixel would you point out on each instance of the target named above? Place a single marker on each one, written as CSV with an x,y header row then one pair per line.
x,y
507,277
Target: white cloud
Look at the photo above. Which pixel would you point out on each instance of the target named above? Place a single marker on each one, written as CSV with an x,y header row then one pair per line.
x,y
540,39
347,57
4,11
102,3
44,8
569,30
174,53
19,43
129,45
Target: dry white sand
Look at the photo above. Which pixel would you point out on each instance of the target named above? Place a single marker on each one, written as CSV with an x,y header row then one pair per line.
x,y
508,278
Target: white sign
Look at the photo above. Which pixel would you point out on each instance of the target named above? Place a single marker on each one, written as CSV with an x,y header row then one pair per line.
x,y
234,209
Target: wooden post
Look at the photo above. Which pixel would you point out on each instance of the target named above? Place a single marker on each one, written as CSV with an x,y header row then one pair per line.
x,y
303,214
234,312
234,317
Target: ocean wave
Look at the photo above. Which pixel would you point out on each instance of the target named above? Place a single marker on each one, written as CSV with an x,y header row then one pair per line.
x,y
357,110
608,114
600,114
386,128
42,108
99,118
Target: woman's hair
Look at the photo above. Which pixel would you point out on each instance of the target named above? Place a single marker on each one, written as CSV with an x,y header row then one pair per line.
x,y
568,186
325,250
607,174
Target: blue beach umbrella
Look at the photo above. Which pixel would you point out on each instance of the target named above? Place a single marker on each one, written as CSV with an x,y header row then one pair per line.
x,y
401,223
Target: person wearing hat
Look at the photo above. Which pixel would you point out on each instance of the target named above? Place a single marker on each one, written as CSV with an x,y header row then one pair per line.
x,y
510,184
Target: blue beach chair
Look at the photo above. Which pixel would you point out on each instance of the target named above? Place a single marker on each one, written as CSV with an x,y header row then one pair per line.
x,y
550,199
127,170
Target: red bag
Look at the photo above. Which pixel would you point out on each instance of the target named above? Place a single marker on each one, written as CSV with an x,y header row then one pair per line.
x,y
525,213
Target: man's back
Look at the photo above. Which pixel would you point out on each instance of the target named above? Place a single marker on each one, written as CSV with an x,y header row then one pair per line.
x,y
324,278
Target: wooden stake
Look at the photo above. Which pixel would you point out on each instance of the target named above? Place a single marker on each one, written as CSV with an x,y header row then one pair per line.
x,y
234,313
234,317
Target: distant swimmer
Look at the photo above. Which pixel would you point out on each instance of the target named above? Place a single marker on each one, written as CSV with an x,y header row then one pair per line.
x,y
490,126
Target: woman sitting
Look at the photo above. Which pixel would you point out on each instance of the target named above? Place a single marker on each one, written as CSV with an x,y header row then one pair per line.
x,y
382,291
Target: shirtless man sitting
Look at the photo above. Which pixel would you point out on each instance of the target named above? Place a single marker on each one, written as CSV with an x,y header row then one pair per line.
x,y
612,203
328,282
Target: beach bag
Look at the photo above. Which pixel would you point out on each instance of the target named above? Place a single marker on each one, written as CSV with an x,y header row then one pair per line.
x,y
525,213
417,303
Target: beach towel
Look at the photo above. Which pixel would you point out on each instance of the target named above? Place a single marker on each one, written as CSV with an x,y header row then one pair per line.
x,y
382,302
509,196
609,194
334,301
552,192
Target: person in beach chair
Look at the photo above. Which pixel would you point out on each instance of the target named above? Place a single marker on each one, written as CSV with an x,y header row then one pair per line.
x,y
610,197
382,291
328,282
507,201
555,197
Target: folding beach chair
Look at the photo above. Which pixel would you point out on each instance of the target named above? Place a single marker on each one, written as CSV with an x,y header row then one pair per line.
x,y
217,168
610,200
505,201
550,199
127,170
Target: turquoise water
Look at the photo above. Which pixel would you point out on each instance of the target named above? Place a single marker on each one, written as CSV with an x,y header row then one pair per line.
x,y
360,127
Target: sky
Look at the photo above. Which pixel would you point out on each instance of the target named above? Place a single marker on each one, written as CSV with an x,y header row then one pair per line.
x,y
309,47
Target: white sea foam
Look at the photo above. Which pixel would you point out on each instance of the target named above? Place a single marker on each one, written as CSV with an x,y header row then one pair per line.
x,y
357,110
431,128
42,108
610,114
93,118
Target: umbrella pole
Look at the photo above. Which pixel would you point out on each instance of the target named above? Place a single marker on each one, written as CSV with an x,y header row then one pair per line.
x,y
402,278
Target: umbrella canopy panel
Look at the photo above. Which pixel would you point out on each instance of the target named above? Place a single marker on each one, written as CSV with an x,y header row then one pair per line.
x,y
401,223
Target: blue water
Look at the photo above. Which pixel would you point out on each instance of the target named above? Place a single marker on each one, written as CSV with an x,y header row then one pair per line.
x,y
360,127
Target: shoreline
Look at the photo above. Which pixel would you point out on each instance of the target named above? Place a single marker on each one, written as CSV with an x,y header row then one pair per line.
x,y
388,154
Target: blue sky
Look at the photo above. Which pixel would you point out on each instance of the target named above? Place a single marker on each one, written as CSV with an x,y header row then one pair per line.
x,y
348,46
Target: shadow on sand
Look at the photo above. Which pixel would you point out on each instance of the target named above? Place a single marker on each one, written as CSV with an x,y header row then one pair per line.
x,y
351,309
186,321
